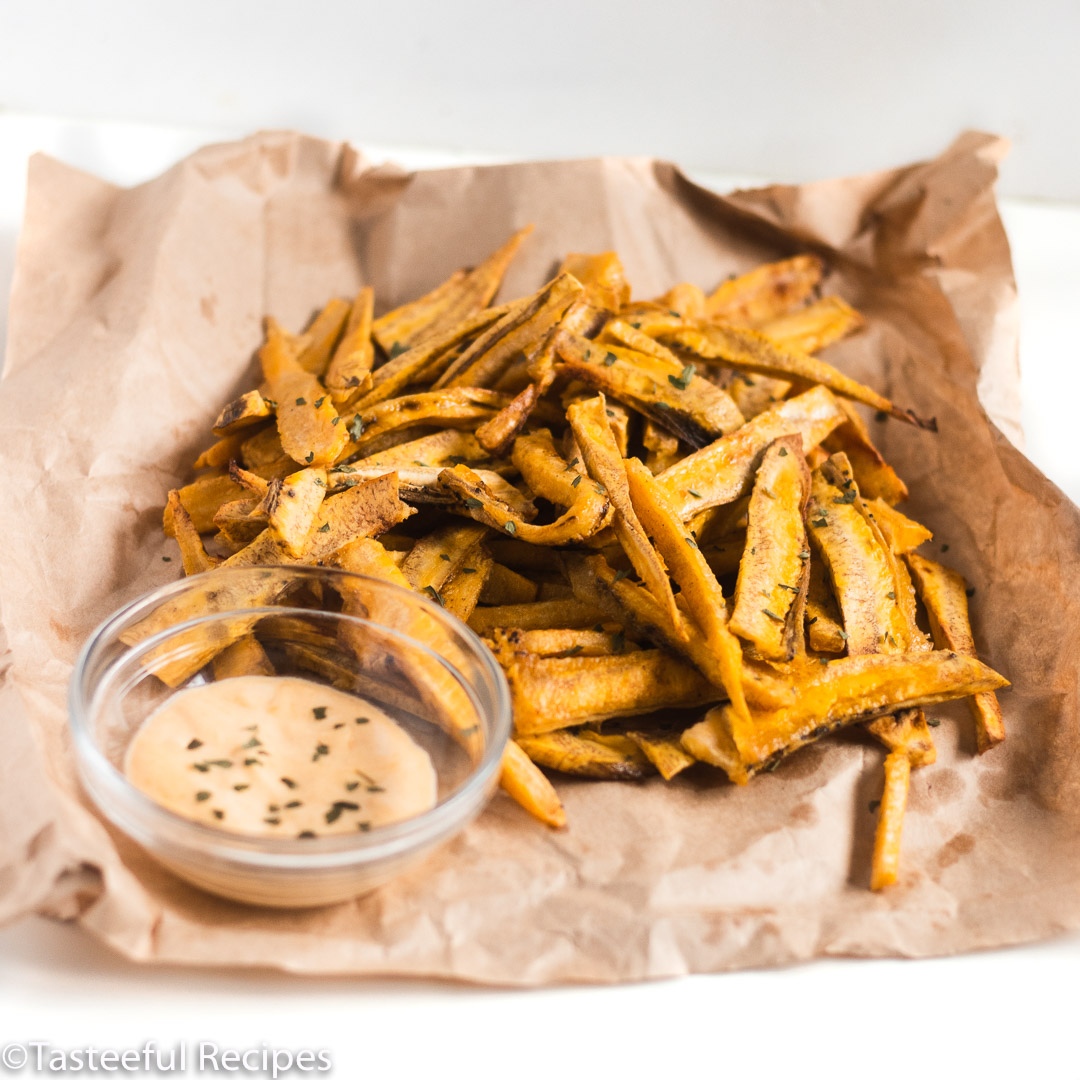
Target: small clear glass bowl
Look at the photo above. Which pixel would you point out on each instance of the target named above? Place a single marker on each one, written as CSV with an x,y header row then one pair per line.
x,y
424,668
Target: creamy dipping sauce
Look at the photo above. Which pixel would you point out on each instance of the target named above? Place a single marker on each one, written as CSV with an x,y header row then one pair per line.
x,y
280,756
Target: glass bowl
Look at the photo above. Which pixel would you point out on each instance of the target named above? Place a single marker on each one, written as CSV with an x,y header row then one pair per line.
x,y
422,667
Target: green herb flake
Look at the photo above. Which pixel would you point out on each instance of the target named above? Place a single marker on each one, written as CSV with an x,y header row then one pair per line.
x,y
252,761
321,750
166,558
310,458
620,574
324,528
933,722
301,401
356,428
219,814
783,451
468,569
272,820
337,809
364,826
691,491
202,796
662,405
307,834
804,555
434,594
293,804
510,527
444,557
790,588
891,595
576,480
362,720
820,523
194,744
319,712
682,380
352,785
610,359
473,503
397,349
318,403
772,615
692,542
575,650
241,787
335,421
842,633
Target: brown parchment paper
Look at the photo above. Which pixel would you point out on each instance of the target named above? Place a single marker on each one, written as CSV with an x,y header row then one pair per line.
x,y
134,316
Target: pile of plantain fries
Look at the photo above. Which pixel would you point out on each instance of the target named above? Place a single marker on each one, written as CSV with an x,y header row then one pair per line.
x,y
666,518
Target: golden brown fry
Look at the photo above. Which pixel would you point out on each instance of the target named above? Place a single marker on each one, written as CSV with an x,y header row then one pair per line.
x,y
602,276
754,394
901,533
859,565
906,732
523,781
504,586
365,510
461,593
875,476
560,642
476,500
423,484
490,355
349,371
464,295
765,292
551,693
222,452
700,592
607,467
464,407
240,521
261,449
310,429
203,497
770,595
538,615
814,327
886,862
664,751
684,403
583,756
662,447
435,558
830,696
944,592
686,299
243,657
824,629
244,412
178,525
630,335
317,344
724,470
750,350
291,506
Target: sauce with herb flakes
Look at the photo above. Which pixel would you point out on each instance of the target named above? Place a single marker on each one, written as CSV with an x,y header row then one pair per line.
x,y
280,756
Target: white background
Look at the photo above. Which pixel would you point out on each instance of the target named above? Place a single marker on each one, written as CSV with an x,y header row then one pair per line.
x,y
786,90
793,89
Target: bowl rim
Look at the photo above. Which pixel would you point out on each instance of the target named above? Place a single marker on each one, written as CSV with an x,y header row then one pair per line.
x,y
149,823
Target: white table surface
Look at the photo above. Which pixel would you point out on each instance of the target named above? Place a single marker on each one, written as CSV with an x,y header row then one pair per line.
x,y
1008,1013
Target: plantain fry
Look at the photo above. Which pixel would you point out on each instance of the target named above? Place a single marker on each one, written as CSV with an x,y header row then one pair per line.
x,y
944,592
560,642
875,476
766,292
664,751
464,295
824,629
178,524
699,589
770,595
317,343
571,613
581,756
349,370
814,327
830,696
685,404
438,556
885,867
308,425
750,350
243,657
489,356
504,586
291,506
724,470
607,467
602,276
244,412
551,693
523,781
461,593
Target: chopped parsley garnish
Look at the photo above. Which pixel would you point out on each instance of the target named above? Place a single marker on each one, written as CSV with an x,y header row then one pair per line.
x,y
321,750
194,744
319,711
397,349
691,491
310,458
356,428
301,401
434,594
610,359
510,527
682,380
472,502
202,796
772,615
